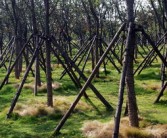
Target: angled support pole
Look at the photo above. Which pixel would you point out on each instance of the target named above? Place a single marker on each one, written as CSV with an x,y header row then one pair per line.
x,y
10,61
6,47
22,83
161,93
70,72
79,53
115,55
150,54
88,82
154,47
112,61
71,64
8,73
122,84
86,59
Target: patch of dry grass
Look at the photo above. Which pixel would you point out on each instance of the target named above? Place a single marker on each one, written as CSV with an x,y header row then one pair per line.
x,y
131,132
56,65
41,88
96,129
151,86
39,107
34,110
160,131
62,104
88,71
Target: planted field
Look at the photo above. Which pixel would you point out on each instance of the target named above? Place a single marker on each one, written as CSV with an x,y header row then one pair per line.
x,y
83,68
32,117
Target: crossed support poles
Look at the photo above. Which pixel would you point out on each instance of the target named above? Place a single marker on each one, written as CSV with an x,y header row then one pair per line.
x,y
24,77
68,69
71,64
88,82
163,78
85,52
122,82
132,27
151,57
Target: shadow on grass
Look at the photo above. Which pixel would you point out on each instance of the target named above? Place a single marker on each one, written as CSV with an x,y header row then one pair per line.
x,y
6,131
162,103
142,91
148,76
103,79
155,65
4,102
151,119
6,90
67,90
89,101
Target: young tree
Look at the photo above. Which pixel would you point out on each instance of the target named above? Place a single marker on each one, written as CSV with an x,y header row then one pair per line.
x,y
48,56
132,105
35,43
16,28
127,74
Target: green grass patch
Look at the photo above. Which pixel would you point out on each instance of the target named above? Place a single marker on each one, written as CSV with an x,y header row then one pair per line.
x,y
42,123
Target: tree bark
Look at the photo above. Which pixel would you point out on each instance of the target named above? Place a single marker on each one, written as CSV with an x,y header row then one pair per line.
x,y
48,56
132,105
15,21
35,43
95,49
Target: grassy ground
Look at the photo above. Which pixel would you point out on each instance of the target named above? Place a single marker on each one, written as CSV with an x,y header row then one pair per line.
x,y
42,124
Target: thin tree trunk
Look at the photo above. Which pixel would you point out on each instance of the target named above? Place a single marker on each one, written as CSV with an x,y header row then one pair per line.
x,y
48,57
96,50
15,18
132,105
35,43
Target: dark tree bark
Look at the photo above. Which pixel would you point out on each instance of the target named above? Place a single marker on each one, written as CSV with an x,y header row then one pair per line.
x,y
15,19
90,30
35,43
121,90
165,7
1,45
118,10
158,17
132,105
48,56
34,23
96,50
127,75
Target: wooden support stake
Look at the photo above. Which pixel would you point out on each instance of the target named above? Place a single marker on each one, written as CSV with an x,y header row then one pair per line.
x,y
22,83
65,117
160,93
8,73
81,50
154,47
151,53
122,85
72,64
72,75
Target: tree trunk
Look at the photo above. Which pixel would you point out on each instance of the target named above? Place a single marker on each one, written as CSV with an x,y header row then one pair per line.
x,y
16,20
96,51
48,59
1,45
35,43
158,17
132,105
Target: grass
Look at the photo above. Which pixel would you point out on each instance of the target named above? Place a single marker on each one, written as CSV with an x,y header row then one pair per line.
x,y
32,119
97,129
